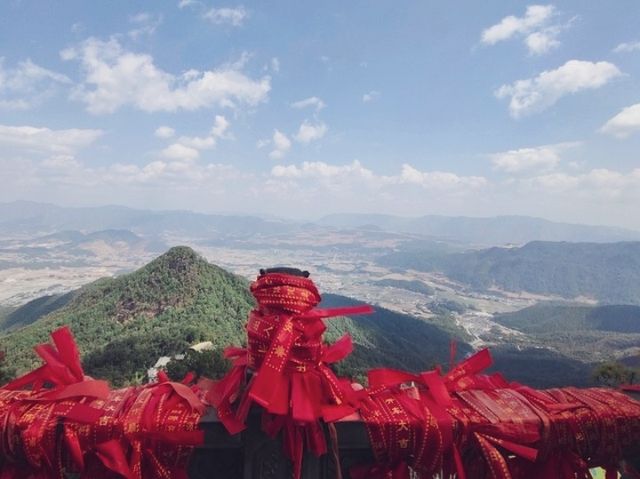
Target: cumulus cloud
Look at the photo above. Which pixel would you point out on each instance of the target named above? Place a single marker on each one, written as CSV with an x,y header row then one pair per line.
x,y
437,180
320,169
535,27
627,47
229,16
187,148
312,101
624,123
144,23
545,158
355,171
46,140
115,77
281,145
536,94
595,183
370,96
179,151
164,132
309,132
27,85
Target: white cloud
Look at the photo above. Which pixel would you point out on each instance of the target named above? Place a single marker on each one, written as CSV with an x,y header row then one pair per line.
x,y
369,97
438,180
220,126
545,158
312,101
541,42
187,148
281,145
164,132
145,24
60,162
598,183
320,169
115,77
187,3
627,47
355,171
309,132
536,94
624,123
27,85
46,140
275,64
535,16
534,27
231,16
179,151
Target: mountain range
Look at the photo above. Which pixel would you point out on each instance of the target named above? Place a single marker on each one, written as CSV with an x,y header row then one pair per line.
x,y
499,230
604,272
26,217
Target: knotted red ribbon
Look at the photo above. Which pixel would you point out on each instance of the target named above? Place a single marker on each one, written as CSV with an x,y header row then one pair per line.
x,y
69,422
292,379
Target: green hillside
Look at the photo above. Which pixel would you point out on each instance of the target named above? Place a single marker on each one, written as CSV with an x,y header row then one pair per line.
x,y
588,333
389,339
33,310
551,317
123,325
608,272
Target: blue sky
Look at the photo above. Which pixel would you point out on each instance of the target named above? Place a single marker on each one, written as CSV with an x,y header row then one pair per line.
x,y
300,109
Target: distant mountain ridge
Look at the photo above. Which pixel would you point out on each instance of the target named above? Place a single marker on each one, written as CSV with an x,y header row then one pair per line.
x,y
606,272
34,218
40,218
490,231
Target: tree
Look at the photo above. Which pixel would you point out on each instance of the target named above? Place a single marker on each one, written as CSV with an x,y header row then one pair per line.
x,y
613,374
210,364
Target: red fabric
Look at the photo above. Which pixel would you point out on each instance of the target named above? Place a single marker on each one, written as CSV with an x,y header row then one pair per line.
x,y
133,433
491,429
293,381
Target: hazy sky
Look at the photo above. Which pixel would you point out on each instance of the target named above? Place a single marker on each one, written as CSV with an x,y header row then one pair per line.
x,y
306,108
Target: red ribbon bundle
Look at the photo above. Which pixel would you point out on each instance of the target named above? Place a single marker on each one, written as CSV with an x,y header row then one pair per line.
x,y
477,426
76,424
292,380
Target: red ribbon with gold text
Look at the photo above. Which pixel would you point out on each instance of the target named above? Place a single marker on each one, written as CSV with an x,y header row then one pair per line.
x,y
292,379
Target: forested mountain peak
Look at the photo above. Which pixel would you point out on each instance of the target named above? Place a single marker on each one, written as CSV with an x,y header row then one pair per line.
x,y
124,324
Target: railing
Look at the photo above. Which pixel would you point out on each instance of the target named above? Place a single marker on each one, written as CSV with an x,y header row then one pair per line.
x,y
253,455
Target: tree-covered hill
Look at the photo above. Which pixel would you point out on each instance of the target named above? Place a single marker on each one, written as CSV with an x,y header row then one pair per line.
x,y
588,333
607,272
553,317
33,310
123,325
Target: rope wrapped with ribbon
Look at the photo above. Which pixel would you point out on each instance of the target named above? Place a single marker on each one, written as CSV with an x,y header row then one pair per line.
x,y
68,422
289,366
465,424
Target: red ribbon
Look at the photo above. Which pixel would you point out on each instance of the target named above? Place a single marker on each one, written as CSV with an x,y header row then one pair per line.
x,y
293,382
134,433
